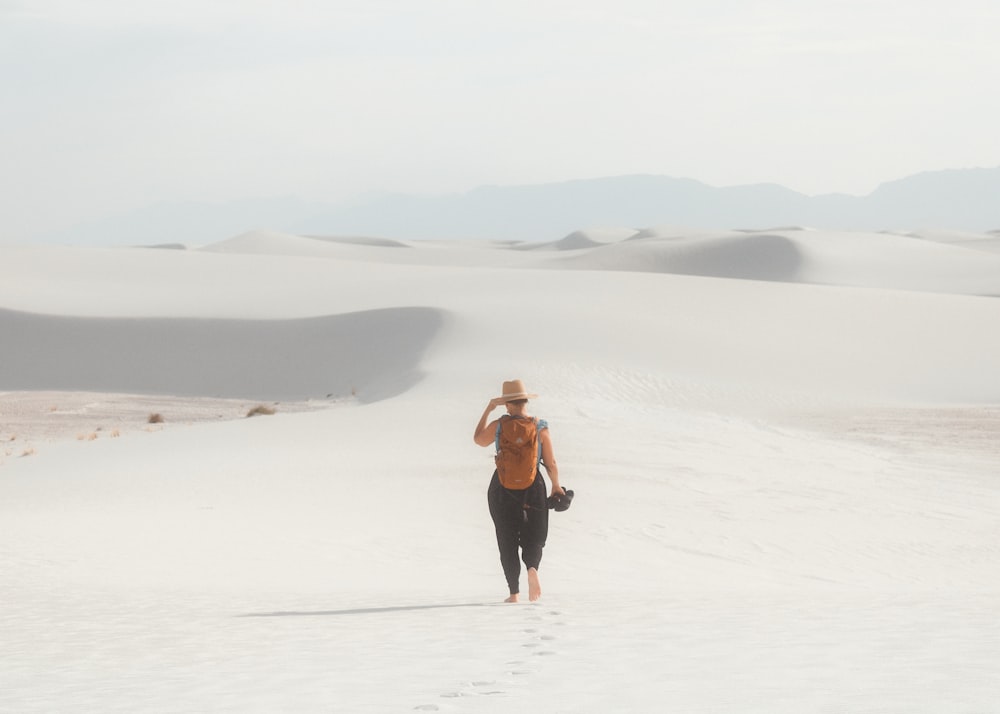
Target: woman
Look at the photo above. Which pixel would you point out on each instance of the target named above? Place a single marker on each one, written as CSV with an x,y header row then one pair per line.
x,y
520,515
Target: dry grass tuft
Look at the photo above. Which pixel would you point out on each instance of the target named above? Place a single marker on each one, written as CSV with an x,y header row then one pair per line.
x,y
260,410
115,433
28,452
155,418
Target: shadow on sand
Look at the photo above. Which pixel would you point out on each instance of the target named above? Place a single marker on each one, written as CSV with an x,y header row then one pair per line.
x,y
366,610
372,354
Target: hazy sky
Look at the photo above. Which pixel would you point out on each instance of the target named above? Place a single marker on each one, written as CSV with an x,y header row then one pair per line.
x,y
111,105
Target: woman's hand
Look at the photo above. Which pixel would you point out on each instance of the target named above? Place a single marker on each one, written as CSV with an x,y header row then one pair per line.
x,y
483,434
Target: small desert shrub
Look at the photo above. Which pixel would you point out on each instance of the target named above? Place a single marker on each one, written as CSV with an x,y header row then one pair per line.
x,y
260,409
28,452
155,419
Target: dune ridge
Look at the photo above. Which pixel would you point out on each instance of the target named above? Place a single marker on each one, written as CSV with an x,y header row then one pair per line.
x,y
751,257
932,261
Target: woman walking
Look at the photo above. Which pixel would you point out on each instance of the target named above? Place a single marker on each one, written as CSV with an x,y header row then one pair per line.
x,y
516,496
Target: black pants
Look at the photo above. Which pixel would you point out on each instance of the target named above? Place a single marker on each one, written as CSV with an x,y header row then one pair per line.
x,y
521,519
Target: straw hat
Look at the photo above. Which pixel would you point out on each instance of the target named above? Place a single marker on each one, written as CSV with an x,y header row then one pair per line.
x,y
515,390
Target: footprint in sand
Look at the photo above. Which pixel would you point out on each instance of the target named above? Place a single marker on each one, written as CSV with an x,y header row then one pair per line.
x,y
542,637
481,688
517,671
487,689
515,668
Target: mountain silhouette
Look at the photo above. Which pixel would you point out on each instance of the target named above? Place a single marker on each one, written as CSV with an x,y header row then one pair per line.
x,y
961,199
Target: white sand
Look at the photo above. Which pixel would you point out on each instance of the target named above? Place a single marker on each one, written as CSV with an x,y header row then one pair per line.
x,y
787,492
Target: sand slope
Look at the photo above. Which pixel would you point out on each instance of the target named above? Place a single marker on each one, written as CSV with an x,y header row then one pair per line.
x,y
876,260
376,353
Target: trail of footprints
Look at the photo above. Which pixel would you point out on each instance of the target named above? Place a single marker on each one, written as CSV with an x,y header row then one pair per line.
x,y
539,643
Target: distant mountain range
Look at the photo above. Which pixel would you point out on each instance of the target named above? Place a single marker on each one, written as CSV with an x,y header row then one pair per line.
x,y
962,199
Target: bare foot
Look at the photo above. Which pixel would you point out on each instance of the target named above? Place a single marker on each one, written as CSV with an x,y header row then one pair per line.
x,y
534,586
513,598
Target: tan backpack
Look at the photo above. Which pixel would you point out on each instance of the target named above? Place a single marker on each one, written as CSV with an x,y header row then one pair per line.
x,y
518,452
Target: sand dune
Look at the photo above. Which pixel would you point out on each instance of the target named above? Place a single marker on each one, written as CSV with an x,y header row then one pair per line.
x,y
254,241
988,242
777,336
946,262
364,240
786,492
578,240
271,242
799,255
751,257
372,355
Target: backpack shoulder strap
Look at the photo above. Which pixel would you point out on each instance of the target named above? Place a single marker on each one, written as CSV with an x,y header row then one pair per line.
x,y
496,438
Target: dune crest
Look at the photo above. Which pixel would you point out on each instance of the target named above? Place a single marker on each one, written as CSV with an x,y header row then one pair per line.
x,y
750,257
